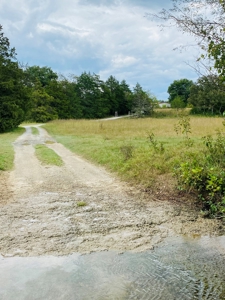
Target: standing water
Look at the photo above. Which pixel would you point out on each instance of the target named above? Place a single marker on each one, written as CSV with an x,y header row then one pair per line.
x,y
179,268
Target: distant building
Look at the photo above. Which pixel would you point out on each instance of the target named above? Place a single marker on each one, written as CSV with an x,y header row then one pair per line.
x,y
164,104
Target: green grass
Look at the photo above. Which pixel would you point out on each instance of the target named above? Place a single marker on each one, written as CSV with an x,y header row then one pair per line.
x,y
47,156
81,203
6,148
35,131
124,147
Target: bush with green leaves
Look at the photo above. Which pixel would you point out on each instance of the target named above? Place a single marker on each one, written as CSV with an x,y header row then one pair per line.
x,y
205,175
215,152
207,182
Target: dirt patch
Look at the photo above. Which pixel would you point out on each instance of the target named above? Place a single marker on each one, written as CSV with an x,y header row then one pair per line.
x,y
41,213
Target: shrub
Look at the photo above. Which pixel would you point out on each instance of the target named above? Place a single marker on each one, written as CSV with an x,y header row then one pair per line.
x,y
206,176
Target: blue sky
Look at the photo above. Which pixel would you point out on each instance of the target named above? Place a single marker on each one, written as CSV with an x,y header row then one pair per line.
x,y
106,37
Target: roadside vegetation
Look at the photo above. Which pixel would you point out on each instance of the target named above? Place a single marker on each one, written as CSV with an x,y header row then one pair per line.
x,y
48,156
6,148
173,153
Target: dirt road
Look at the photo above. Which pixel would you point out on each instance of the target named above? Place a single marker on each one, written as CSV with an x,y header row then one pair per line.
x,y
40,215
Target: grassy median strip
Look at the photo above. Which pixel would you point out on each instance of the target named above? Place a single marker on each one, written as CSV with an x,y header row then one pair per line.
x,y
35,130
6,148
47,156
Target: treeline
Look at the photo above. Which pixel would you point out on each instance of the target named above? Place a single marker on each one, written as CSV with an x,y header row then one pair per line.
x,y
39,94
85,96
206,96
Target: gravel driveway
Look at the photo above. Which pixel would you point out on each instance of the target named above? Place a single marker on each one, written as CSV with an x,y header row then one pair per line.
x,y
40,212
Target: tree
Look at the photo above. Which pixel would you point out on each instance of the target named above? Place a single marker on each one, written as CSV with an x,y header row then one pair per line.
x,y
42,105
207,95
119,96
205,20
66,102
180,88
48,95
14,96
42,74
142,102
113,86
126,99
91,91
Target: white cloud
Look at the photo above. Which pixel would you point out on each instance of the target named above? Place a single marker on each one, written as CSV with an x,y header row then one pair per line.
x,y
105,37
121,61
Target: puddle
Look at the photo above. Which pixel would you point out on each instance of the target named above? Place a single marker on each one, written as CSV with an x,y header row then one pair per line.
x,y
178,269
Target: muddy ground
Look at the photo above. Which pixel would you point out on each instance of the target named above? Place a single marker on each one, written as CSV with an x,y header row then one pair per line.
x,y
40,212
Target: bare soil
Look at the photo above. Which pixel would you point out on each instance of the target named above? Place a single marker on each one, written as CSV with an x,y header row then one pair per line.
x,y
40,212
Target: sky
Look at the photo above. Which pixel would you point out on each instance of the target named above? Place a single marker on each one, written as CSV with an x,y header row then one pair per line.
x,y
105,37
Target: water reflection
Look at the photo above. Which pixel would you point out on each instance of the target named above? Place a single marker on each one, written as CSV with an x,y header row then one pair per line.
x,y
178,269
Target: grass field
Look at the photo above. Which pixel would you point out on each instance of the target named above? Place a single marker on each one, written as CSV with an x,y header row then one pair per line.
x,y
6,148
141,151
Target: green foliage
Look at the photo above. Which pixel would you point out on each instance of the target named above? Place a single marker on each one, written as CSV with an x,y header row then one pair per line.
x,y
207,182
207,95
215,149
184,127
14,100
85,96
119,96
205,175
66,102
179,92
44,75
177,102
42,110
90,90
143,102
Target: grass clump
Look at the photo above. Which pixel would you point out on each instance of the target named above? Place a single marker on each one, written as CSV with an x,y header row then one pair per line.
x,y
81,203
127,151
35,130
6,148
47,156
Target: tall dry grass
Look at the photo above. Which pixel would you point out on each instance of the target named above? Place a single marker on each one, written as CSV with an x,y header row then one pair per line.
x,y
134,128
